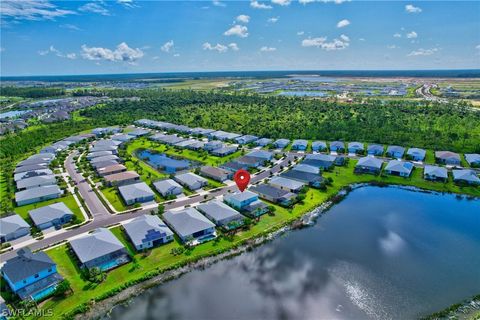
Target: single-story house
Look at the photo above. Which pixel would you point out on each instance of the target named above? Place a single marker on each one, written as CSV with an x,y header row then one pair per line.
x,y
13,227
312,179
399,168
307,168
322,161
467,176
416,154
247,202
29,162
32,167
147,231
215,173
201,131
375,150
32,276
104,158
113,149
473,159
263,142
356,147
97,154
246,139
221,214
139,132
212,145
368,165
122,178
189,224
122,137
37,194
185,143
168,187
196,146
447,157
172,139
319,146
395,152
35,182
53,215
100,249
31,174
116,168
281,143
287,184
262,154
337,146
299,144
272,194
224,151
233,166
250,162
222,135
136,192
106,143
191,180
435,173
102,164
109,130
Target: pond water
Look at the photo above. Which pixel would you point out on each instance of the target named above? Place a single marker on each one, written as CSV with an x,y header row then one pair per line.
x,y
303,94
163,162
382,253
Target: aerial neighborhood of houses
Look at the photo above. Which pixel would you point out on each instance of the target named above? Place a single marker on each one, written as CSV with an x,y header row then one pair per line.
x,y
200,198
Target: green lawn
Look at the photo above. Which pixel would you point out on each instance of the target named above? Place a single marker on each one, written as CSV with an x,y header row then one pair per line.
x,y
68,200
115,199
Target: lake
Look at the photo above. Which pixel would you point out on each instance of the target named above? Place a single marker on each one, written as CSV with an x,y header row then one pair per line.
x,y
163,162
302,94
382,253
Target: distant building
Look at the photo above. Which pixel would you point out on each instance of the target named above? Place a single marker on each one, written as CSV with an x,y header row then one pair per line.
x,y
212,145
375,150
136,192
395,152
356,147
300,145
13,227
399,168
139,133
215,173
322,161
191,180
319,146
190,225
473,159
337,146
447,157
466,176
224,151
122,137
263,142
32,276
262,154
435,173
168,187
104,158
100,249
147,231
281,143
416,154
37,194
221,214
246,139
368,165
97,154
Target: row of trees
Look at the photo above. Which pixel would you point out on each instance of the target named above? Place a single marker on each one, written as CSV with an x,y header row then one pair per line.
x,y
31,92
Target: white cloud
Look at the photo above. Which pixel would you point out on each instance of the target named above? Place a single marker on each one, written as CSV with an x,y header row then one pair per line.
x,y
324,1
300,33
282,2
2,49
237,30
122,53
218,3
243,18
343,23
31,10
361,39
422,52
477,47
94,8
397,35
218,47
70,26
412,9
257,5
391,46
321,42
273,19
306,1
268,49
57,52
127,3
176,55
412,35
233,46
167,46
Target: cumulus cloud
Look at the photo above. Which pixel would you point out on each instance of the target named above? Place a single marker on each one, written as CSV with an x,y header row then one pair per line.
x,y
218,47
127,3
167,46
397,35
412,35
324,1
477,47
412,9
70,26
300,33
122,53
322,43
58,53
233,46
94,8
422,52
273,19
268,49
218,3
243,18
282,2
258,5
237,30
31,10
391,46
343,23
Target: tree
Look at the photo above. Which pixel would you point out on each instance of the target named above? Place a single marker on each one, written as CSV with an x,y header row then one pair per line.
x,y
62,288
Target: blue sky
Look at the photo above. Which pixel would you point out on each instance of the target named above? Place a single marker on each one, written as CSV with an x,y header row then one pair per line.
x,y
91,37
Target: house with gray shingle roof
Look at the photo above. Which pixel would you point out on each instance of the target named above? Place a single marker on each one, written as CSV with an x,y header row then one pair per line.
x,y
246,202
53,215
168,187
416,154
312,179
435,173
368,165
281,143
147,231
224,151
272,194
299,144
337,146
35,182
212,145
139,132
263,142
307,168
473,159
466,176
375,150
399,168
13,227
262,154
447,157
191,180
31,174
104,158
287,184
102,164
221,214
246,139
38,194
97,154
32,167
215,173
122,137
395,152
112,169
198,145
190,225
100,249
322,161
136,192
319,146
32,276
185,143
356,147
122,178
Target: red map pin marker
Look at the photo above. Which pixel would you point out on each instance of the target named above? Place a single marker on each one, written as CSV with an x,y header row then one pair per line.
x,y
242,178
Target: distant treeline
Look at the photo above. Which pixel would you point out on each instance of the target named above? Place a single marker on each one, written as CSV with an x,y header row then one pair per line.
x,y
420,124
31,92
